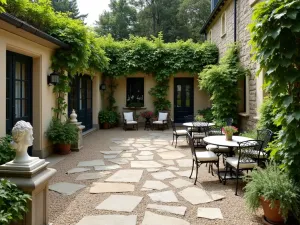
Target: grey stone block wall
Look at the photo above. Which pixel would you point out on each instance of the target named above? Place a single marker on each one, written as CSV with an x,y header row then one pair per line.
x,y
244,14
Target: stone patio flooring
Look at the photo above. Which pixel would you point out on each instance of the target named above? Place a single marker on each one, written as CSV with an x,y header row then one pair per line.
x,y
138,177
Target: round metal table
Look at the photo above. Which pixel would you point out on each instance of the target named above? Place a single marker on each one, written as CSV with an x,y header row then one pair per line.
x,y
197,124
220,140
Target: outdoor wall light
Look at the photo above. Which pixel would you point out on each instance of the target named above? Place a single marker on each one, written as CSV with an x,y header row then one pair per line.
x,y
102,87
53,78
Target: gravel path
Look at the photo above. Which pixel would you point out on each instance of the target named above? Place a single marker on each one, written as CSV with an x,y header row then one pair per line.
x,y
69,210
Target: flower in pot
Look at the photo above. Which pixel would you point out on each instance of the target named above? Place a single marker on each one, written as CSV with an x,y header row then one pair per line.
x,y
199,118
62,135
229,131
147,115
275,191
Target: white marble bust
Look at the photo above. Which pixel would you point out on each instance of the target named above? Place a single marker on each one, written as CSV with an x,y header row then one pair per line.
x,y
22,139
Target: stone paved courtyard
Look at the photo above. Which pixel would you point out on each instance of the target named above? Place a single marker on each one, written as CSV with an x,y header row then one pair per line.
x,y
138,177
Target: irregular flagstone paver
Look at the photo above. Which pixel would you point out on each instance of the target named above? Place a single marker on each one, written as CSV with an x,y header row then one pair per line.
x,y
162,150
77,170
171,147
66,188
163,175
110,156
165,196
154,185
186,173
146,153
126,155
178,210
179,183
120,161
172,168
144,157
98,162
217,195
125,145
153,169
167,162
91,176
210,213
195,195
111,152
110,188
120,148
130,159
120,203
133,176
132,151
147,149
145,164
110,167
155,219
108,220
185,162
171,155
138,145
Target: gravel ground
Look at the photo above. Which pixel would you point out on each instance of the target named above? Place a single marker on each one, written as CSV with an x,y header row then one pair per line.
x,y
69,210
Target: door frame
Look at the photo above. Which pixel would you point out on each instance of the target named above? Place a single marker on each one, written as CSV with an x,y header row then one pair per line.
x,y
183,81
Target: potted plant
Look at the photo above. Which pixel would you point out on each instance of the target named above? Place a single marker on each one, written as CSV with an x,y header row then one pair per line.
x,y
62,135
229,131
104,118
147,115
274,190
199,118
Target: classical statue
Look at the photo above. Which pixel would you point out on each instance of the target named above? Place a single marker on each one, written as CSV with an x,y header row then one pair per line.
x,y
22,139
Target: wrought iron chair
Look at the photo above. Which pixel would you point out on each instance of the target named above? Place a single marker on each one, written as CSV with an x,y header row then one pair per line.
x,y
177,133
244,160
129,121
190,119
201,157
264,135
162,121
199,131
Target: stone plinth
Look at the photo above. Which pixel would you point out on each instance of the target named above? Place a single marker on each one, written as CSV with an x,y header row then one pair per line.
x,y
33,178
79,145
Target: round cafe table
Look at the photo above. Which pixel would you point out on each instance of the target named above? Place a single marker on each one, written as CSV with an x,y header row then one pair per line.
x,y
197,124
220,140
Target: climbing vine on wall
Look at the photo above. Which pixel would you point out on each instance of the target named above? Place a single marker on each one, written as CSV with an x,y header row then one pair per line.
x,y
275,37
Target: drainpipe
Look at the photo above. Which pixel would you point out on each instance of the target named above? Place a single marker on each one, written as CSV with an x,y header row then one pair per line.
x,y
235,18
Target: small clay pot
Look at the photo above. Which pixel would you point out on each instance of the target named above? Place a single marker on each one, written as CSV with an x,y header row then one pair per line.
x,y
105,125
272,215
228,137
63,149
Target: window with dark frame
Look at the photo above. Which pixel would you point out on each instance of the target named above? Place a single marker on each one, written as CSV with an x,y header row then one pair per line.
x,y
135,92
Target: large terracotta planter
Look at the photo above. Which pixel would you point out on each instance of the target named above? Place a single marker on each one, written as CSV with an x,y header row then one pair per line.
x,y
63,149
272,215
105,125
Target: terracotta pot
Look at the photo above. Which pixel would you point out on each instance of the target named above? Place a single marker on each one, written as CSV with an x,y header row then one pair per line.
x,y
105,125
63,149
272,215
228,137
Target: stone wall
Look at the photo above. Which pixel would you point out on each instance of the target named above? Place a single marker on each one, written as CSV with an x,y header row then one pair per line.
x,y
247,119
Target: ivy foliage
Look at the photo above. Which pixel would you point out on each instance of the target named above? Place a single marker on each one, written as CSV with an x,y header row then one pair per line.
x,y
220,81
154,57
7,153
13,202
2,3
275,38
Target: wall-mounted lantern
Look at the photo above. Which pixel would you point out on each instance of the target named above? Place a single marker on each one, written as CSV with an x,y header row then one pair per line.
x,y
102,87
53,78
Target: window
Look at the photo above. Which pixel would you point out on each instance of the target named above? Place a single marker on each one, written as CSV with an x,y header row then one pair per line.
x,y
135,92
210,36
223,24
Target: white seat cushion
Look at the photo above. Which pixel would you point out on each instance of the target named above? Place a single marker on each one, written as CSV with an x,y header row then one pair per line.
x,y
206,156
128,116
233,161
162,116
160,122
181,132
131,122
198,135
216,148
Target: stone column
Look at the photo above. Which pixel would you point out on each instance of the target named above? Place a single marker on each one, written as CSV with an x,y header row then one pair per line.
x,y
79,145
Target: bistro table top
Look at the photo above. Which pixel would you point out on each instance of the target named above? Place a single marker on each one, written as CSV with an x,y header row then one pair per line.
x,y
221,140
197,124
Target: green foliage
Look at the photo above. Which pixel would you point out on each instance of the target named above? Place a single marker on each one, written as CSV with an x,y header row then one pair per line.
x,y
250,134
7,153
60,90
68,6
273,184
275,38
106,116
220,81
2,3
62,132
207,114
13,203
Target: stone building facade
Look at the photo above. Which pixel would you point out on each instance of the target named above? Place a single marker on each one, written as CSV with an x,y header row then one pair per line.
x,y
228,23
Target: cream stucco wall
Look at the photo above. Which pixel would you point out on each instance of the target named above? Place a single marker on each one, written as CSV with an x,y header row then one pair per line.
x,y
201,99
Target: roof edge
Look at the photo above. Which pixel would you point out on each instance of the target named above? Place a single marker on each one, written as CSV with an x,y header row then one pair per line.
x,y
31,29
212,15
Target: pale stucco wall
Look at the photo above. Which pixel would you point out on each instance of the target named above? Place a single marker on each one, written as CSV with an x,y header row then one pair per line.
x,y
201,99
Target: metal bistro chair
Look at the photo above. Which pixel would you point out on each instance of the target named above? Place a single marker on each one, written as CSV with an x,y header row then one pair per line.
x,y
129,121
178,133
201,157
199,132
244,160
162,121
264,135
189,119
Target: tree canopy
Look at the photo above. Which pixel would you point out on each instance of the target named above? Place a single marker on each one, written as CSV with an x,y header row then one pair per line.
x,y
68,6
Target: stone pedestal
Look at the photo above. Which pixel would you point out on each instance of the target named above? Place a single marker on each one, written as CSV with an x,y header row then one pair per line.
x,y
73,120
32,177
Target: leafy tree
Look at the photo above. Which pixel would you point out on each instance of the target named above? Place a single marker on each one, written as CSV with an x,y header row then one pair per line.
x,y
119,21
193,14
68,6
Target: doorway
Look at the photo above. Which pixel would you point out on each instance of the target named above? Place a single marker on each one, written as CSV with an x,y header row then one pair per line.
x,y
183,98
